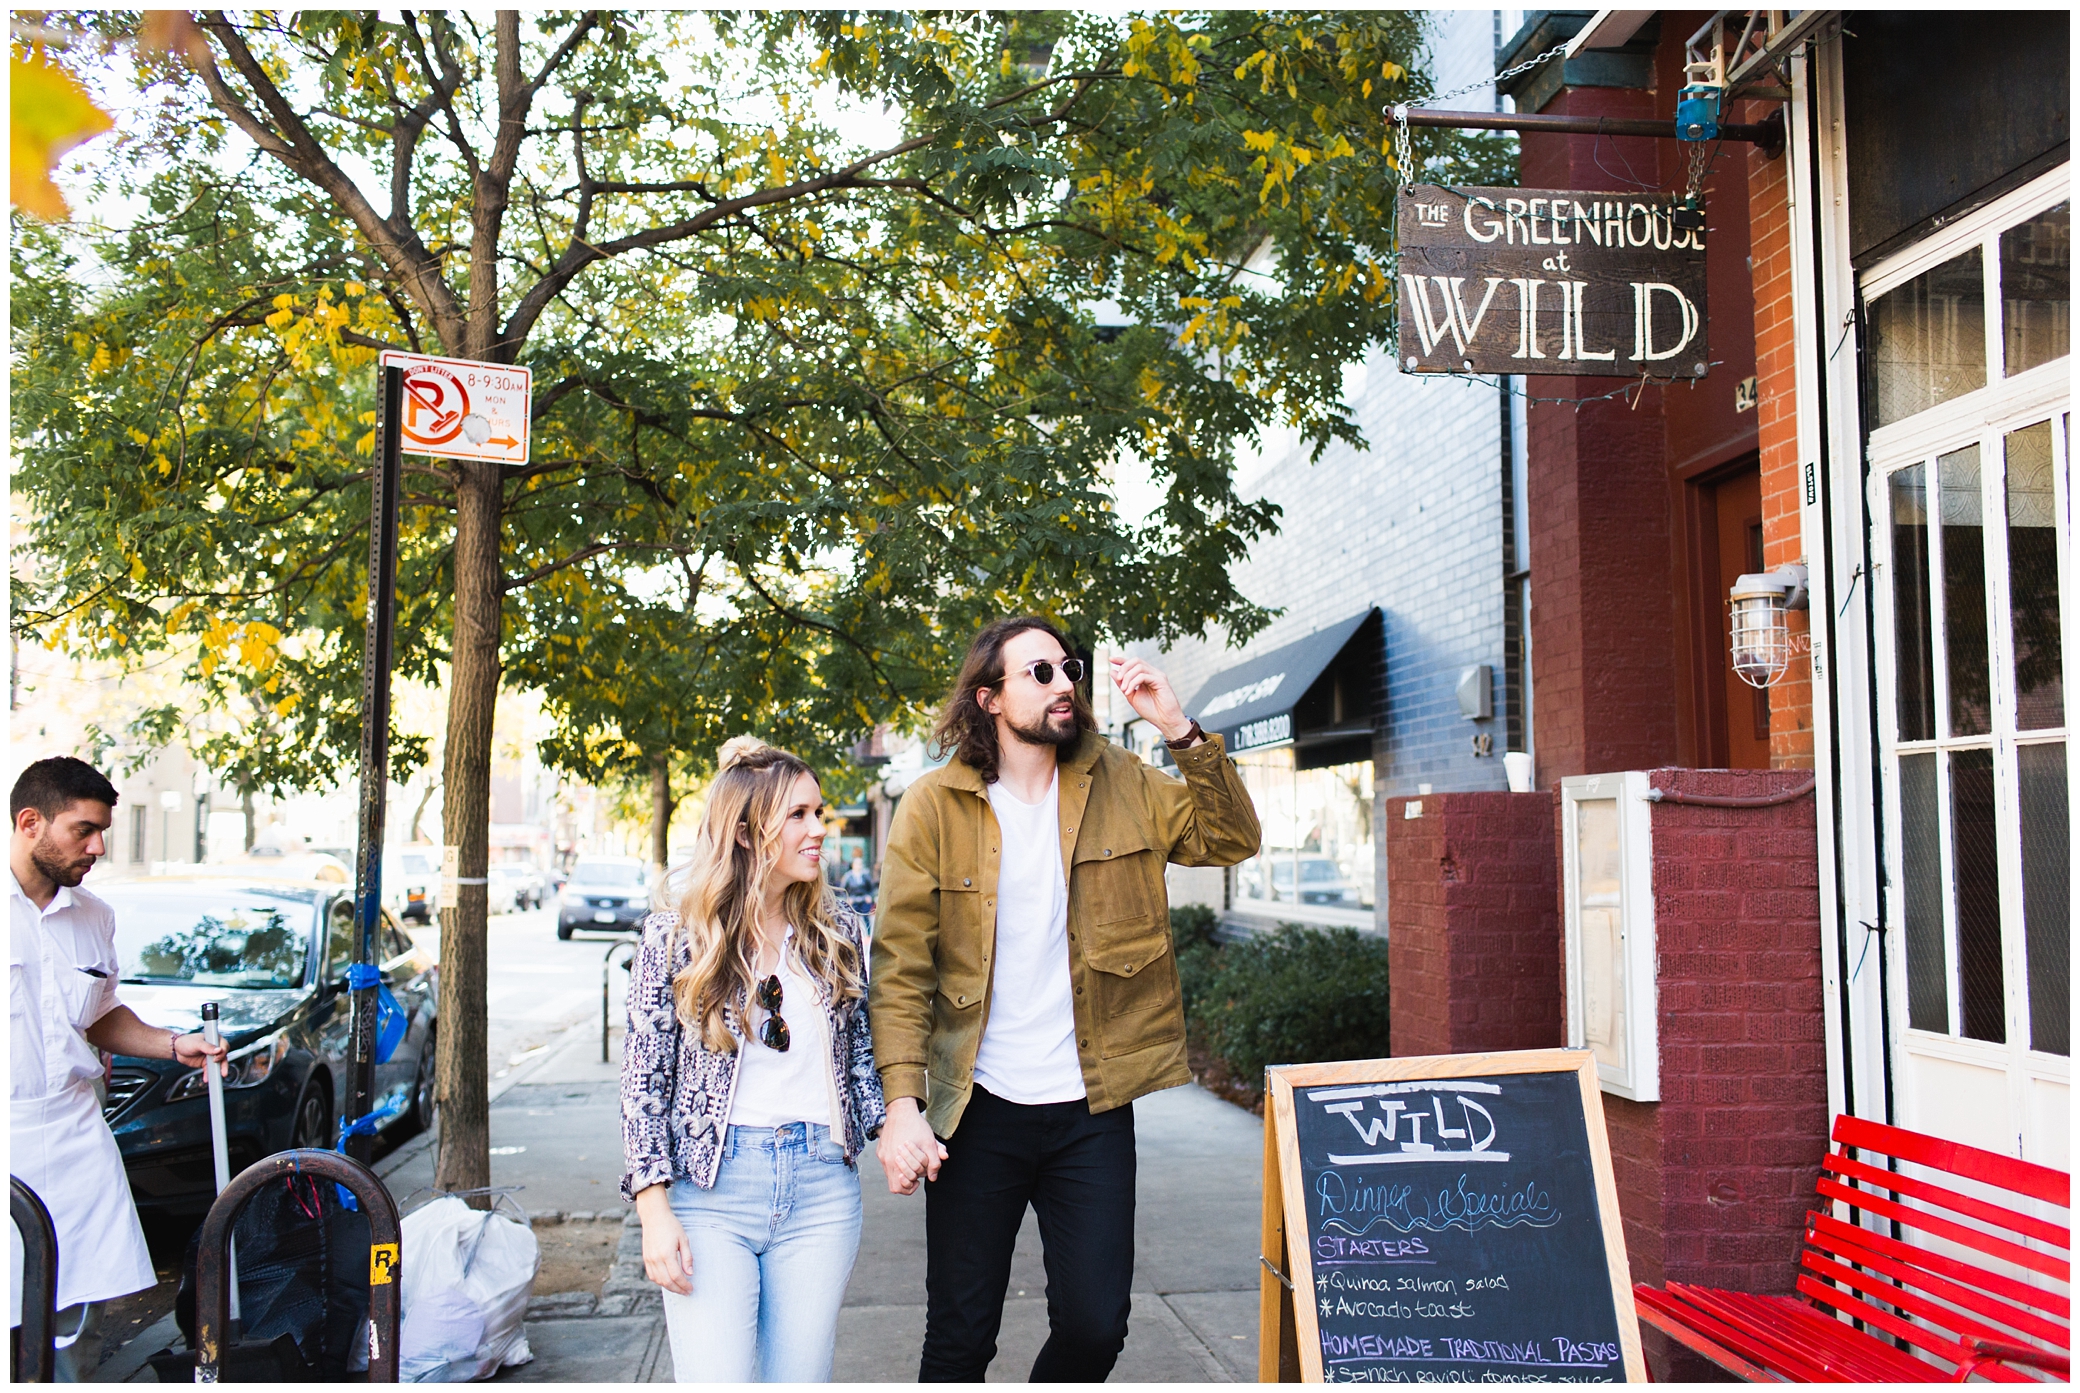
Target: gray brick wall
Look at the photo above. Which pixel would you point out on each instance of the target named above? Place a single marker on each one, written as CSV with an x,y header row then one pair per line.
x,y
1413,524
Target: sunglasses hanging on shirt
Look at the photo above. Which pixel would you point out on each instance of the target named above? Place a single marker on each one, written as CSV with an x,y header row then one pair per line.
x,y
773,1032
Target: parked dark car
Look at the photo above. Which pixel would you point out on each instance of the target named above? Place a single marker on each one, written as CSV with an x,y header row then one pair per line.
x,y
274,955
604,892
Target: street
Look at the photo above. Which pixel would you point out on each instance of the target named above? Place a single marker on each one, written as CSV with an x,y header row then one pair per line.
x,y
536,986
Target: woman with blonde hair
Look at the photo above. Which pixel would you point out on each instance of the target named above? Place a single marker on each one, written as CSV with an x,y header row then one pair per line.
x,y
748,1086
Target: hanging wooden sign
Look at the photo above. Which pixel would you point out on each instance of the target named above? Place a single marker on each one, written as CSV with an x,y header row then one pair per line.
x,y
1549,281
1444,1219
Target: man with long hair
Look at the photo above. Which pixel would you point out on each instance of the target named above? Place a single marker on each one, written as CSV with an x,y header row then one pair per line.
x,y
1023,990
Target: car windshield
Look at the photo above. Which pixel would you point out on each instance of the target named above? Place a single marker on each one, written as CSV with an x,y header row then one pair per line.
x,y
1319,870
415,863
608,873
219,936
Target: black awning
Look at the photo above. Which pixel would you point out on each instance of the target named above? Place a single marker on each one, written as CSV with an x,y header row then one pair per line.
x,y
1319,690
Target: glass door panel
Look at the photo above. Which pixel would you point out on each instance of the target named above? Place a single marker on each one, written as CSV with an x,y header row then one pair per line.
x,y
1913,658
1964,591
1975,868
2047,906
2033,599
1921,845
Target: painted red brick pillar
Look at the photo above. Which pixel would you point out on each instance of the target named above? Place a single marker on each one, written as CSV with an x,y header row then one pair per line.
x,y
1473,943
1715,1179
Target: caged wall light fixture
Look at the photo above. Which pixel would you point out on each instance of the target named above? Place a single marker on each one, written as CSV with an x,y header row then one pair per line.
x,y
1758,631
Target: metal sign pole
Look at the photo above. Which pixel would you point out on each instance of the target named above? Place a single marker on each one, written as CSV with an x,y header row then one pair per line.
x,y
375,748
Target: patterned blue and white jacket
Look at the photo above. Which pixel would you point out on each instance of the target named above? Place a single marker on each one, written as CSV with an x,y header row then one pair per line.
x,y
676,1093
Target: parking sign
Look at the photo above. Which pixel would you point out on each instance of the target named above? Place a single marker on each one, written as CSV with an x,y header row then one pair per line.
x,y
457,408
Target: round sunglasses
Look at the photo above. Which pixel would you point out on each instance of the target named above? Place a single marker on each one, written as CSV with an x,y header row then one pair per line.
x,y
1043,670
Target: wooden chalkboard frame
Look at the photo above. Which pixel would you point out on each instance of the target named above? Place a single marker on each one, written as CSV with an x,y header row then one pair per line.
x,y
1289,1346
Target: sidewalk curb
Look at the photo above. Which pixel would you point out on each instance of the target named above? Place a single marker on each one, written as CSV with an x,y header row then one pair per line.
x,y
581,1027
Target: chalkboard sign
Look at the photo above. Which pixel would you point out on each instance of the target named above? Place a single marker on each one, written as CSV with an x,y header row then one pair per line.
x,y
1549,281
1450,1218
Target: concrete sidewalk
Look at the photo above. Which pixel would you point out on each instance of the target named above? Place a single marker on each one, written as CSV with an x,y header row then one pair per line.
x,y
555,1129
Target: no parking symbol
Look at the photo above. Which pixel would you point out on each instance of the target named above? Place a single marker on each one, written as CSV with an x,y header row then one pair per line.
x,y
456,408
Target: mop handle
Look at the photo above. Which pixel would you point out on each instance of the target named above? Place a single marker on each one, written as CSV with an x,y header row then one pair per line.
x,y
213,1074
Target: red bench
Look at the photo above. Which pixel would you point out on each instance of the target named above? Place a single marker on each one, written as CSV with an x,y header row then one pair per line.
x,y
1989,1300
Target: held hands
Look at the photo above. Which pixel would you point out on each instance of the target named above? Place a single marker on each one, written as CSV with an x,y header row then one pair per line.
x,y
1148,692
907,1149
191,1050
667,1257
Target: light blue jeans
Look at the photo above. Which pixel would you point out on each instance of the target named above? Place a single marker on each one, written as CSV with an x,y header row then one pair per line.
x,y
773,1244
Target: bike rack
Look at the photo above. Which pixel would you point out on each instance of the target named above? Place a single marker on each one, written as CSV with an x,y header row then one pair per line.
x,y
39,1285
606,996
212,1259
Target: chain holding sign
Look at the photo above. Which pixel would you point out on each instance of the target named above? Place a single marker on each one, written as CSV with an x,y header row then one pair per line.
x,y
1575,284
457,408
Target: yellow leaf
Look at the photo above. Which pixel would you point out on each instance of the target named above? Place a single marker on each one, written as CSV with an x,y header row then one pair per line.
x,y
48,113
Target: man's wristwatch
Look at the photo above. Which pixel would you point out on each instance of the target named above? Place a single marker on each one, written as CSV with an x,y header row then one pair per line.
x,y
1188,739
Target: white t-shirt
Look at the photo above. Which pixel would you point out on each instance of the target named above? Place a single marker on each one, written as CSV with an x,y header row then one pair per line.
x,y
776,1088
1028,1051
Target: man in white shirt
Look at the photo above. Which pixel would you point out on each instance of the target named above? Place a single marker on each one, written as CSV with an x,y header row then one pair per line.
x,y
1023,992
62,1010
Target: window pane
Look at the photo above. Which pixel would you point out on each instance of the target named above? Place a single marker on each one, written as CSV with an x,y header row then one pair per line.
x,y
1599,879
2036,283
1928,340
341,942
2047,903
1975,859
1917,671
1964,591
2040,697
1928,973
1318,847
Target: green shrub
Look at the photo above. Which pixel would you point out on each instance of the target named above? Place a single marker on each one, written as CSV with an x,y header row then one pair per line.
x,y
1192,929
1300,995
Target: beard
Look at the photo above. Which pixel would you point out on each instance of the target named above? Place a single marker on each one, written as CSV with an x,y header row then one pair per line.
x,y
1049,729
48,859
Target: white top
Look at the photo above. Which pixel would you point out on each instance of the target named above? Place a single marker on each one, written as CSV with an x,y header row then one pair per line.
x,y
57,1141
52,997
775,1088
1028,1051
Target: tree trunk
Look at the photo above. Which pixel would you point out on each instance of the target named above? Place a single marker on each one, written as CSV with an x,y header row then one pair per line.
x,y
465,1134
245,805
661,805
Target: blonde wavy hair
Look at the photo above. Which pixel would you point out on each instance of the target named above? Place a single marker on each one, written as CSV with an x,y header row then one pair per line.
x,y
723,888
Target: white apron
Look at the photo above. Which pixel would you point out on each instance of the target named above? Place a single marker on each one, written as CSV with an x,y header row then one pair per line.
x,y
59,1146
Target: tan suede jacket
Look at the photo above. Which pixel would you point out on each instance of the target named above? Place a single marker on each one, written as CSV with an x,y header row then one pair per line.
x,y
935,932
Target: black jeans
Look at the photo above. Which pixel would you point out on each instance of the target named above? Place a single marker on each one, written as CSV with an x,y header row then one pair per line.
x,y
1077,1171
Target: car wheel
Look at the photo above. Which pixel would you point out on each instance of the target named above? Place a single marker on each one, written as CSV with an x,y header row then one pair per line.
x,y
563,931
421,1114
313,1130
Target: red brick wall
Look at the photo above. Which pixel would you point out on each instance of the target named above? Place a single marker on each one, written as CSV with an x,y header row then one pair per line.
x,y
1776,381
1714,1180
1473,945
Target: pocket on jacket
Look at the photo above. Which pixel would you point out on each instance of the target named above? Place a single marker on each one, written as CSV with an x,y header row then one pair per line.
x,y
1111,878
1130,974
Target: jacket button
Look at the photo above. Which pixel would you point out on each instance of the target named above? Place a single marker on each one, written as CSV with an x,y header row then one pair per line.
x,y
1085,1043
966,881
960,1001
1108,851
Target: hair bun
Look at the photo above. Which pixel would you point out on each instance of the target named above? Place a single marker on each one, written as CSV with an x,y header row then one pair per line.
x,y
739,750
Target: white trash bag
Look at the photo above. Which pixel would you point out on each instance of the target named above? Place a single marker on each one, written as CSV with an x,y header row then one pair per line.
x,y
467,1276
